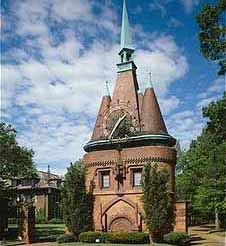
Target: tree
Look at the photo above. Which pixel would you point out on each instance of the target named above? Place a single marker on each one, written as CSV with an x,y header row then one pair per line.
x,y
159,210
77,201
212,36
202,179
15,161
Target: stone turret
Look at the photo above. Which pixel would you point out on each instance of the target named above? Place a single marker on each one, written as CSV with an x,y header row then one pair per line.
x,y
98,131
152,120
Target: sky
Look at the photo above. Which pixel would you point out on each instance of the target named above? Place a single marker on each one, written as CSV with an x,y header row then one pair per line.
x,y
57,54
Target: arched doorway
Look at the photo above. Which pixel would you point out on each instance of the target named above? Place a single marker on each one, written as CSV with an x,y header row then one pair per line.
x,y
121,224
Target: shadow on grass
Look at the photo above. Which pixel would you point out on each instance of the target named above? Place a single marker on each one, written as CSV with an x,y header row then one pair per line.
x,y
196,240
48,233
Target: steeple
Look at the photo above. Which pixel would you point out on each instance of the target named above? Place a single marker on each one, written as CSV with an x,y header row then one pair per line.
x,y
126,39
126,52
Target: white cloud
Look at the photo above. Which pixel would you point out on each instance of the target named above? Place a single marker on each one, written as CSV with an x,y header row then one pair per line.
x,y
54,99
165,60
159,6
185,126
212,93
174,23
189,5
168,104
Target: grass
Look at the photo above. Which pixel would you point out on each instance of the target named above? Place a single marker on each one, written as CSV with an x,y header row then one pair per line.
x,y
46,230
109,244
99,244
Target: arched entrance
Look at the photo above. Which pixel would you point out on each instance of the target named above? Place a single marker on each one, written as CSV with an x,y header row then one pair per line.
x,y
121,224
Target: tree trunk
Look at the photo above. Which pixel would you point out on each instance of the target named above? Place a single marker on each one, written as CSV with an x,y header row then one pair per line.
x,y
217,221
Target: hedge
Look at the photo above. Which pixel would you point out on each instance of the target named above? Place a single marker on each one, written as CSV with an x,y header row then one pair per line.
x,y
128,237
91,237
114,237
177,238
66,238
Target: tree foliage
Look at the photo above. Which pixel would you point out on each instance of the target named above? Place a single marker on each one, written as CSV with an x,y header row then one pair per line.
x,y
159,211
212,36
15,160
77,202
202,179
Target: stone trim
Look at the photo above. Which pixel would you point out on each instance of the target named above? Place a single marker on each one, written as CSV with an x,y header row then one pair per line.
x,y
101,163
131,161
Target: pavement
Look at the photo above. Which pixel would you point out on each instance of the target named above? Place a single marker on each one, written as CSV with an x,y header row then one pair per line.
x,y
201,236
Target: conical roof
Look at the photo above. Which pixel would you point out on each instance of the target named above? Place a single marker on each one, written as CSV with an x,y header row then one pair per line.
x,y
98,131
152,120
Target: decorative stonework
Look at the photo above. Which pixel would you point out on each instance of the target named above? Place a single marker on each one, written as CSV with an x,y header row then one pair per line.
x,y
122,222
138,160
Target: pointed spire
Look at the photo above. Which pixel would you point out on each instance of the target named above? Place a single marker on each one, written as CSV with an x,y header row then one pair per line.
x,y
107,89
126,39
150,85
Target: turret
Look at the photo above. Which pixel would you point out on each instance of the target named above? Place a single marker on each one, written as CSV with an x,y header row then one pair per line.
x,y
152,120
98,132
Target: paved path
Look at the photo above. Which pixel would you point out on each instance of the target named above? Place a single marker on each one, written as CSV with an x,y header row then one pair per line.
x,y
202,237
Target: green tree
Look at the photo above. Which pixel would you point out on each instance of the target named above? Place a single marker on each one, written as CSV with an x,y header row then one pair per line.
x,y
212,36
77,201
159,211
15,161
202,179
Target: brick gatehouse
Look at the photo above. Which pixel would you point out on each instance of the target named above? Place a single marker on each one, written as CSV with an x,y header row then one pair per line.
x,y
129,132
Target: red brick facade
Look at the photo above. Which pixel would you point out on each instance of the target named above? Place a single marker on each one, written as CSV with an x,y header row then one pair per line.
x,y
119,207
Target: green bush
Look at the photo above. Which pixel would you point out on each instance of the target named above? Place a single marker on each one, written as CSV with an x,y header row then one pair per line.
x,y
114,237
91,237
40,216
177,238
127,237
66,238
56,221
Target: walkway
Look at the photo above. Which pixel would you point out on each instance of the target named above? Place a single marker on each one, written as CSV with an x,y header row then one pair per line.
x,y
201,236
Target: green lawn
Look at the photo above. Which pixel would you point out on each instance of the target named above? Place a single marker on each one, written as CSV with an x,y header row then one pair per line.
x,y
109,244
48,230
96,244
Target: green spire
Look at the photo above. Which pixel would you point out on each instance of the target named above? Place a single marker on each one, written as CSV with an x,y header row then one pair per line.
x,y
126,39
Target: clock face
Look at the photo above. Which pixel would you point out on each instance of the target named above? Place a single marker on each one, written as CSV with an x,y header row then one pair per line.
x,y
118,124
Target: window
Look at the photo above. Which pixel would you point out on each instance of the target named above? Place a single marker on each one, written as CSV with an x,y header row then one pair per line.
x,y
137,175
105,179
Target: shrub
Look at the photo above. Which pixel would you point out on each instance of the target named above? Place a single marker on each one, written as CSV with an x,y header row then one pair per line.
x,y
177,238
40,216
91,237
56,221
114,237
159,210
127,237
77,200
66,238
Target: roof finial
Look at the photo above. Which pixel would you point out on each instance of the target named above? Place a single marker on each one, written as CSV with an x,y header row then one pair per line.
x,y
150,85
107,88
126,39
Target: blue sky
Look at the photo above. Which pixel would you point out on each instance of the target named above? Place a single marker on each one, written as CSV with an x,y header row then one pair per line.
x,y
56,55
